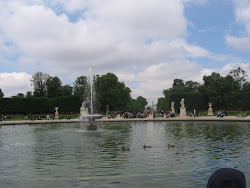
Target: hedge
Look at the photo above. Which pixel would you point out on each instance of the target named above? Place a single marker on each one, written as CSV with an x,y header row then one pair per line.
x,y
200,102
192,101
40,105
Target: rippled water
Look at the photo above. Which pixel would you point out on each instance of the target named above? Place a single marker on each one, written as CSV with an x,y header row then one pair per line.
x,y
65,155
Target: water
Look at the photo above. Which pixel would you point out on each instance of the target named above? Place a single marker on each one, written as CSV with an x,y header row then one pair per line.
x,y
66,155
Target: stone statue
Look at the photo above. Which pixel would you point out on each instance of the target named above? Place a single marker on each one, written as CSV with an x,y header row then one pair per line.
x,y
172,104
182,102
83,110
172,107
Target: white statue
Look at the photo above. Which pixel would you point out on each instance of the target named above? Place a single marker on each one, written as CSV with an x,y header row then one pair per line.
x,y
83,110
182,102
172,104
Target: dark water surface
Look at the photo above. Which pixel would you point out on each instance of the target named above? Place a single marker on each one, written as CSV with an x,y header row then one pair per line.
x,y
66,155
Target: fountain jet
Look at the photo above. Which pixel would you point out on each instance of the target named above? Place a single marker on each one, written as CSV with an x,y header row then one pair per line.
x,y
90,95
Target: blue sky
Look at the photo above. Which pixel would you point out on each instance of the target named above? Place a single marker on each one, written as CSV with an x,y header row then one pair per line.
x,y
147,44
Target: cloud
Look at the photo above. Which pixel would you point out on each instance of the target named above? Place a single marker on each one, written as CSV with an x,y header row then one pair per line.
x,y
242,14
113,33
13,83
154,79
142,42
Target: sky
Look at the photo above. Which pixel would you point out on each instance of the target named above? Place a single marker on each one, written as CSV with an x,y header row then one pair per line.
x,y
147,44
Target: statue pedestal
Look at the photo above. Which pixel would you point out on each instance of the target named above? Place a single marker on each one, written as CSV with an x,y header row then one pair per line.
x,y
183,112
210,112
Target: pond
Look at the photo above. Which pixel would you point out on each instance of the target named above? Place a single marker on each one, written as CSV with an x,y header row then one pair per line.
x,y
66,155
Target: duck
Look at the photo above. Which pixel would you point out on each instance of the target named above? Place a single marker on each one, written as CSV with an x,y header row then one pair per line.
x,y
171,146
125,149
144,146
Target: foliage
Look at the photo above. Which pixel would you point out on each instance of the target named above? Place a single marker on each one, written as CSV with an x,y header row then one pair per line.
x,y
136,105
66,90
29,94
192,101
53,85
178,82
79,87
38,81
163,104
239,75
111,92
39,105
220,90
1,94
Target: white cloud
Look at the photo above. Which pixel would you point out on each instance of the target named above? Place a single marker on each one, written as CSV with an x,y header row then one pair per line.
x,y
114,33
142,42
242,13
13,83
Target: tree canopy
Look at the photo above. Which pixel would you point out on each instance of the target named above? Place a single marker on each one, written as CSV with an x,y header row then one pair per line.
x,y
111,92
221,91
1,94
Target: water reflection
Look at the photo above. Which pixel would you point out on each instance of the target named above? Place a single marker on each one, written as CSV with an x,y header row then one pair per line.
x,y
67,155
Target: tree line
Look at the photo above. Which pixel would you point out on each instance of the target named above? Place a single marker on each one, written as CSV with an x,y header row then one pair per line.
x,y
109,91
231,91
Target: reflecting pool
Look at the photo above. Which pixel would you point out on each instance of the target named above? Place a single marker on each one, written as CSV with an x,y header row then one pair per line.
x,y
66,155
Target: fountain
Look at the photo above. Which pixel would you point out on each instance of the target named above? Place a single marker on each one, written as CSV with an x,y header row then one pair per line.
x,y
88,114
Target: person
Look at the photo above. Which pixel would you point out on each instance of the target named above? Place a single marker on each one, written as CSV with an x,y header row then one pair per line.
x,y
219,113
193,113
227,178
68,117
47,116
244,115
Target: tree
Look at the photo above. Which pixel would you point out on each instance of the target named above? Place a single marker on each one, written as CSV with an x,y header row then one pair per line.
x,y
38,81
111,92
178,82
246,87
1,94
20,95
54,86
239,75
28,94
220,90
191,87
163,104
67,90
79,87
142,102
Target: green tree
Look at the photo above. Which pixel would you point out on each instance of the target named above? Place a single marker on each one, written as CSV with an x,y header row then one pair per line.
x,y
163,103
142,102
67,90
28,94
178,82
111,92
220,90
1,94
38,81
20,95
239,75
80,86
54,87
191,87
246,87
